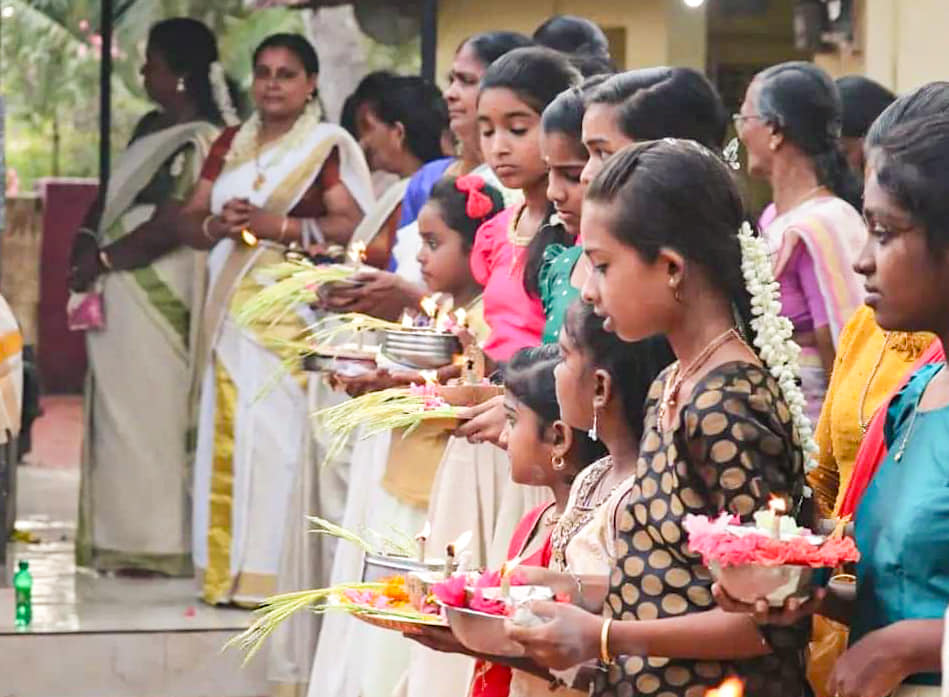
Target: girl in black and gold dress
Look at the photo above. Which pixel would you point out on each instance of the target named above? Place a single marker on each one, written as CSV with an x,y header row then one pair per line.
x,y
661,228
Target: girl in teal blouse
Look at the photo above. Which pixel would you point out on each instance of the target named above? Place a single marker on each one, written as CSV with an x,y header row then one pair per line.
x,y
902,524
904,539
584,126
566,158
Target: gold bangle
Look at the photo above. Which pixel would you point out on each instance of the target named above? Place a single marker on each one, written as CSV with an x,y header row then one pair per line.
x,y
283,228
206,228
605,641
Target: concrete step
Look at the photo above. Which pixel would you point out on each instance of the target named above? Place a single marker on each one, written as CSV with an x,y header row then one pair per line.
x,y
126,664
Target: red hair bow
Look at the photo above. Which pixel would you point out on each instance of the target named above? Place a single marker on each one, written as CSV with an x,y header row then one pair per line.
x,y
478,204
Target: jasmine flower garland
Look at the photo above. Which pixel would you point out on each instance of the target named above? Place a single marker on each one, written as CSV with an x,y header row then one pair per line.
x,y
773,336
221,94
244,145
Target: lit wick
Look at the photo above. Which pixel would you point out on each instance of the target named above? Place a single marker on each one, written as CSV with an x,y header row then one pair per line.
x,y
456,547
357,254
777,506
422,538
507,568
430,307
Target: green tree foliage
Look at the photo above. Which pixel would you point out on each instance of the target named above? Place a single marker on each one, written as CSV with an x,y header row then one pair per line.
x,y
49,72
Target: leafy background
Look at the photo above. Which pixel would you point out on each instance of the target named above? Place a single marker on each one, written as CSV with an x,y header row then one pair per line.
x,y
49,71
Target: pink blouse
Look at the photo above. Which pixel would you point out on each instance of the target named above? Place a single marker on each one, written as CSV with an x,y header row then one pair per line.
x,y
516,319
801,299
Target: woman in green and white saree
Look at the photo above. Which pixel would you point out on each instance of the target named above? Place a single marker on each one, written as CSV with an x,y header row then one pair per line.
x,y
135,505
284,176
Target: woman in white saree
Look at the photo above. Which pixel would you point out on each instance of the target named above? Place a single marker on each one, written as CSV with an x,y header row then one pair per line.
x,y
136,455
284,176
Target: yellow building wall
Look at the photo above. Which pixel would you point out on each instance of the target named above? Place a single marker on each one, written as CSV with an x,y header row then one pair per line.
x,y
656,32
899,43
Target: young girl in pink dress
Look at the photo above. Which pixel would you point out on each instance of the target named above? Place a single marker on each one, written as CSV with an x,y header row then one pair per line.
x,y
508,249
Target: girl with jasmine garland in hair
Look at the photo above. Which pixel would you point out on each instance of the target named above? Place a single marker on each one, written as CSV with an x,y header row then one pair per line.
x,y
136,446
724,429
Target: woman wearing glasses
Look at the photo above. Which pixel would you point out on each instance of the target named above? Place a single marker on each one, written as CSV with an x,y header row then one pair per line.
x,y
790,123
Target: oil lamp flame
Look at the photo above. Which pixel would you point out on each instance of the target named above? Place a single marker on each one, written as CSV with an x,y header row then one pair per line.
x,y
357,252
407,321
461,317
429,305
732,687
425,532
429,376
507,568
777,505
248,238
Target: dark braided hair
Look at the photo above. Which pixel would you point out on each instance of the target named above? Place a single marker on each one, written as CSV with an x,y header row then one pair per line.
x,y
800,100
536,75
911,162
452,205
633,366
529,378
679,194
932,99
665,102
299,46
189,48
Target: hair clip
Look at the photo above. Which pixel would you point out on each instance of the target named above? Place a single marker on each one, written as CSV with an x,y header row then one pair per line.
x,y
478,204
730,154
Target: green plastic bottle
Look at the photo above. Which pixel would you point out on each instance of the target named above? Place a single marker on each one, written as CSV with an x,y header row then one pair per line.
x,y
23,585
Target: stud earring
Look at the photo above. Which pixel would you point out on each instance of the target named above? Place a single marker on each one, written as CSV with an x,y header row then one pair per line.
x,y
772,146
180,87
557,463
592,432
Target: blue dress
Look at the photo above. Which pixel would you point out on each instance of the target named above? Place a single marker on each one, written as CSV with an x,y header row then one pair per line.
x,y
902,527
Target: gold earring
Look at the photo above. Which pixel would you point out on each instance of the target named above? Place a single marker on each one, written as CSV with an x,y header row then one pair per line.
x,y
180,87
675,291
592,432
557,463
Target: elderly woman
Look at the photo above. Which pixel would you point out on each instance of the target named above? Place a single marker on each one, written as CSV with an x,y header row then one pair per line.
x,y
790,124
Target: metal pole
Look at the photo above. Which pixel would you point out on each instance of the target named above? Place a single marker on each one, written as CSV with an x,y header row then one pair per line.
x,y
429,38
105,97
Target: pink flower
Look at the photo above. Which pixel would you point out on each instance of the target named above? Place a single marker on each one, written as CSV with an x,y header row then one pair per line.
x,y
490,606
83,25
452,591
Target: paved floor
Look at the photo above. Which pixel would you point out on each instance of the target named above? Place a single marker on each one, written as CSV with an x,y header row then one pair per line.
x,y
67,599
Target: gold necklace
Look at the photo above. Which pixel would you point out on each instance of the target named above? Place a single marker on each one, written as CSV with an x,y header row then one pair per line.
x,y
581,512
260,179
518,242
670,391
865,423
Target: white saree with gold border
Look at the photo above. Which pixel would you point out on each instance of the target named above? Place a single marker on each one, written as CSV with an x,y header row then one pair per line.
x,y
135,507
253,429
